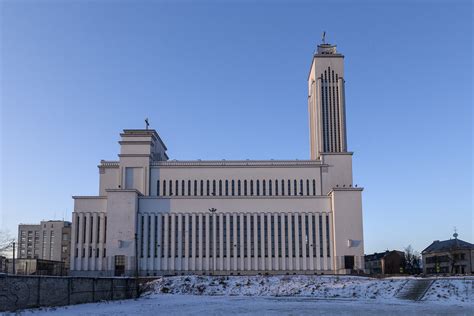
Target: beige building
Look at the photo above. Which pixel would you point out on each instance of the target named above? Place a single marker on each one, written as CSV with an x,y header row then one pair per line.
x,y
454,256
158,216
49,240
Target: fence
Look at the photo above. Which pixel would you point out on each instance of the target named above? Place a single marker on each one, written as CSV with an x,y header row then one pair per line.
x,y
20,292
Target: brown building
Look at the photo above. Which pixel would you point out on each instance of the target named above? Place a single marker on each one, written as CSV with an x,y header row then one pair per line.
x,y
449,256
388,262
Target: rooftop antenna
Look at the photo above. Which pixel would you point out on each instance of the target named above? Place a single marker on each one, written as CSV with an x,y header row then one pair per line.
x,y
146,123
323,39
455,235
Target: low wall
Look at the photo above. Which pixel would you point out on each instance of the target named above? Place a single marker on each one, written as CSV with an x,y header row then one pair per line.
x,y
20,292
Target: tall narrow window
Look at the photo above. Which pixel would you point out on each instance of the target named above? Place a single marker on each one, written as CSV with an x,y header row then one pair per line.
x,y
190,232
279,235
202,187
214,187
182,187
320,236
307,187
238,188
258,187
282,187
272,234
171,187
270,188
276,187
327,237
226,187
220,187
231,235
207,188
189,187
293,241
245,236
238,236
313,219
164,187
286,236
295,188
289,187
176,187
224,235
314,187
245,187
306,238
301,186
264,189
183,236
265,234
233,187
158,188
259,236
218,232
251,187
195,187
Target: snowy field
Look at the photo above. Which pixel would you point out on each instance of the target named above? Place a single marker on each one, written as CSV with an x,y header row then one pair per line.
x,y
282,295
235,305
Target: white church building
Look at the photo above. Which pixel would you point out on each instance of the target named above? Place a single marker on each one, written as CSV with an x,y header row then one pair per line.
x,y
155,216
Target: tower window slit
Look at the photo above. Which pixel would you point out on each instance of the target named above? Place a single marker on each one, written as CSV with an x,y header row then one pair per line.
x,y
220,187
258,187
207,188
307,186
214,187
238,187
171,187
264,189
158,188
245,187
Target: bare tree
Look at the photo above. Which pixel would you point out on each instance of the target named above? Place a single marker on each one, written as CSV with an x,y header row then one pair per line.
x,y
412,260
6,242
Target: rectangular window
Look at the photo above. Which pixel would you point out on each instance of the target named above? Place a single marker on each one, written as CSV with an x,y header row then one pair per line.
x,y
320,236
272,232
164,187
259,236
286,235
279,235
245,236
300,236
231,232
252,234
162,236
238,236
224,233
293,241
327,237
176,236
168,246
218,231
158,188
203,235
265,235
141,237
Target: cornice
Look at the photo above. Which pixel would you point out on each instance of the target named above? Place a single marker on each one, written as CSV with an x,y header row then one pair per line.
x,y
238,163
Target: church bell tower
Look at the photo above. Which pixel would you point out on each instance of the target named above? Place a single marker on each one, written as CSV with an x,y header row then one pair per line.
x,y
326,102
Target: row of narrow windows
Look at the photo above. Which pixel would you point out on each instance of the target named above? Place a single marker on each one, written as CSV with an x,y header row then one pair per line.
x,y
88,229
330,109
236,187
290,234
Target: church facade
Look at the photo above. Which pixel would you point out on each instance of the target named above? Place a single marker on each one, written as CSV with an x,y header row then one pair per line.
x,y
155,216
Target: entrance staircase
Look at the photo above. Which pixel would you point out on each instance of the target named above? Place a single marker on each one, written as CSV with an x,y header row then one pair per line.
x,y
414,289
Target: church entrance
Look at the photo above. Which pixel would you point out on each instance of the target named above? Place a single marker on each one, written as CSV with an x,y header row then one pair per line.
x,y
119,265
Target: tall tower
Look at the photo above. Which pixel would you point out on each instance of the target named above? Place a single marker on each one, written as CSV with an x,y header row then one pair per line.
x,y
326,102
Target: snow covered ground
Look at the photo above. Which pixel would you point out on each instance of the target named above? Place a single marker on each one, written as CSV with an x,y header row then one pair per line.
x,y
238,305
283,295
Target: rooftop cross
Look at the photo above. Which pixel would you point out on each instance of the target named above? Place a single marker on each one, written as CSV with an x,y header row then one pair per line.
x,y
146,123
323,39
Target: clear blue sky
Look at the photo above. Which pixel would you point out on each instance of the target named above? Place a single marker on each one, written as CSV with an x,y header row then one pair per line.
x,y
228,81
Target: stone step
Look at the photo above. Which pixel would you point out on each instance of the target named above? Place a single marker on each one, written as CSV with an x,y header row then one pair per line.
x,y
414,289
